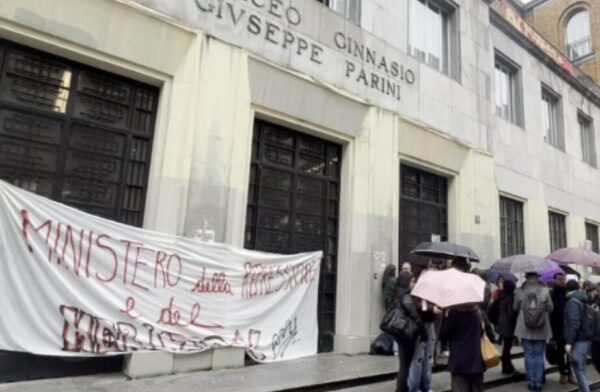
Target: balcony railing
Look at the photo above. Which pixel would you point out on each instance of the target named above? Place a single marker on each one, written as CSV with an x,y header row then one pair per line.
x,y
580,48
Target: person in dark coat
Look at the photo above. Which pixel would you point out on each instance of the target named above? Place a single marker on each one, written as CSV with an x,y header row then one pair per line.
x,y
557,317
462,327
406,347
578,344
388,286
507,319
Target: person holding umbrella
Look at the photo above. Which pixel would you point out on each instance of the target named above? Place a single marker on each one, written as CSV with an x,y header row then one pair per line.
x,y
557,317
507,320
460,293
407,346
534,305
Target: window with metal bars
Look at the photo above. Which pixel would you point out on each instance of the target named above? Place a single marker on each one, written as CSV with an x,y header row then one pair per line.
x,y
558,230
512,238
75,134
591,234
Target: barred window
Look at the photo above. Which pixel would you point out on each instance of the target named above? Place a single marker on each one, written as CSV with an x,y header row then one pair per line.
x,y
558,231
512,239
591,234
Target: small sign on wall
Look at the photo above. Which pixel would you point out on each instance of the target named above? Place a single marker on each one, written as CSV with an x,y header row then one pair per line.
x,y
436,238
204,235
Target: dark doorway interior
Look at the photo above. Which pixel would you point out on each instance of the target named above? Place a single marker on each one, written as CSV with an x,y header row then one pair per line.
x,y
293,204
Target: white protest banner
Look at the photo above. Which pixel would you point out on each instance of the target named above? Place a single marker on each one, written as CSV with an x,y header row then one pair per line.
x,y
73,284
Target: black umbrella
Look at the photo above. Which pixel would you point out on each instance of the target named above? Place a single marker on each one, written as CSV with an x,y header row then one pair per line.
x,y
445,250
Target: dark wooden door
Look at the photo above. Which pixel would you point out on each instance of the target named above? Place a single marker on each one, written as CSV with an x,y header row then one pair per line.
x,y
79,136
293,204
423,210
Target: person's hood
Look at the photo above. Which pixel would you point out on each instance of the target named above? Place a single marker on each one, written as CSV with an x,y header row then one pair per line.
x,y
578,295
509,288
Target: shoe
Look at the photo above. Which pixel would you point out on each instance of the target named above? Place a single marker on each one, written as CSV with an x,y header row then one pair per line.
x,y
563,379
572,381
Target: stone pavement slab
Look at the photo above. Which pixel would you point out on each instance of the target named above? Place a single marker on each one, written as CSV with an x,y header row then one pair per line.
x,y
298,373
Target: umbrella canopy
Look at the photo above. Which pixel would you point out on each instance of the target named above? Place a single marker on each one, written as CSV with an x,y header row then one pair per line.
x,y
450,287
493,276
575,256
520,264
548,274
445,250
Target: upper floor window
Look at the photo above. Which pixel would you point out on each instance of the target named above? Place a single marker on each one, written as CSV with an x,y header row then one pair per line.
x,y
507,90
552,118
349,8
588,139
433,34
578,36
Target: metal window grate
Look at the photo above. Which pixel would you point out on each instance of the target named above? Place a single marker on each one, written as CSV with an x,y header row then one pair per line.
x,y
75,134
558,231
512,239
423,210
591,234
293,203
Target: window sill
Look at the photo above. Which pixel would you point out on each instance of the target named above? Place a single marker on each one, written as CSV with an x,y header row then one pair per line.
x,y
583,59
592,165
555,146
511,122
445,73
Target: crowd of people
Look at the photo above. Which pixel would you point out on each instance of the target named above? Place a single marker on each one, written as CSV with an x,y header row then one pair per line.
x,y
548,320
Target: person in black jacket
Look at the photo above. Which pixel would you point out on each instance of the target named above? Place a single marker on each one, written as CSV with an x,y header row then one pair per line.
x,y
557,317
507,319
462,327
577,344
406,347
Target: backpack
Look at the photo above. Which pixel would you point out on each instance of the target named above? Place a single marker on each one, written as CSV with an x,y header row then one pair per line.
x,y
383,345
590,326
534,311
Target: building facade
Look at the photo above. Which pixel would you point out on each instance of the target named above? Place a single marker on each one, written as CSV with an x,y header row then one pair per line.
x,y
572,27
357,127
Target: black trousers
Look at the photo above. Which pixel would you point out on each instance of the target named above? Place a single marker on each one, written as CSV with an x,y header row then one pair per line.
x,y
467,382
406,350
507,343
564,365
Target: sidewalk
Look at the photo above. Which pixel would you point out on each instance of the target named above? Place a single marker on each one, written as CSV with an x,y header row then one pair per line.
x,y
317,370
318,373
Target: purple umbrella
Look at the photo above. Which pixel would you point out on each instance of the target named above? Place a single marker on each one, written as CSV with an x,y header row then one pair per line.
x,y
575,256
547,275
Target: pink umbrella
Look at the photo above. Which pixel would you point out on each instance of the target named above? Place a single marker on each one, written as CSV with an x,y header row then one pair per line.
x,y
575,256
450,287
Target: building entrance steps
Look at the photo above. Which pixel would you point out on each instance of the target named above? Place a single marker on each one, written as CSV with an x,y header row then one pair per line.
x,y
318,373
